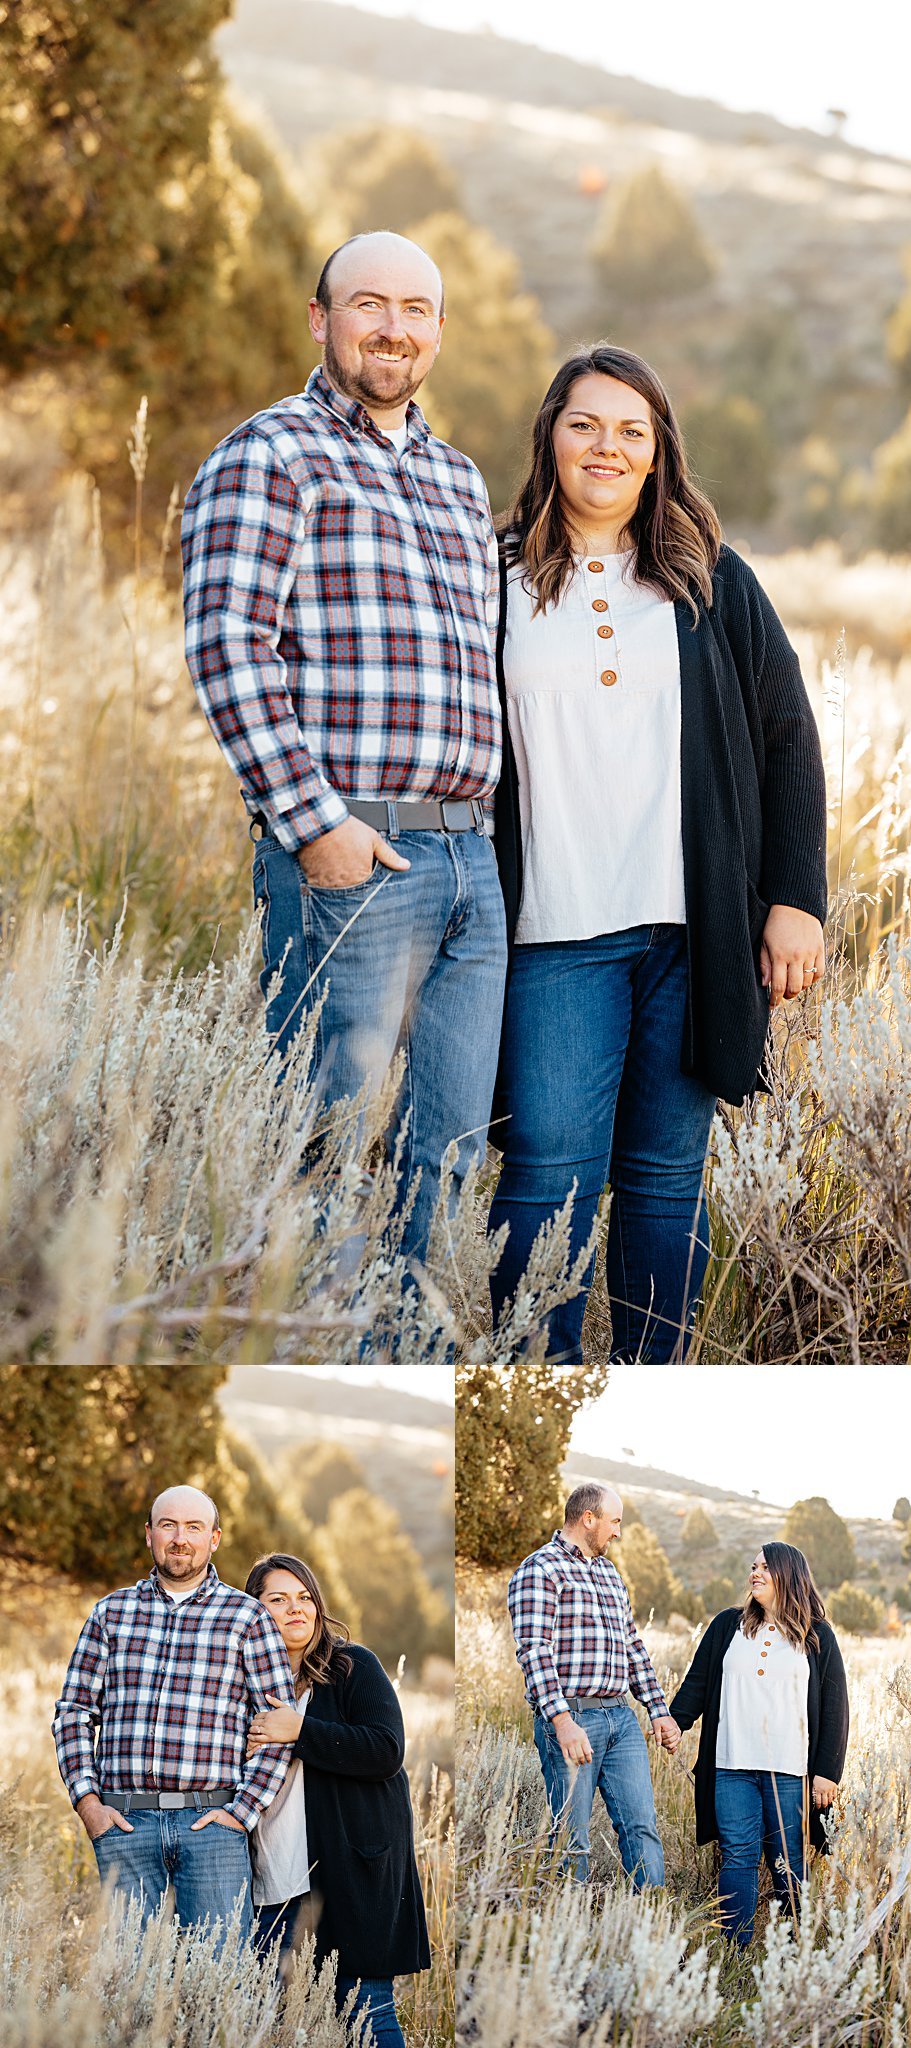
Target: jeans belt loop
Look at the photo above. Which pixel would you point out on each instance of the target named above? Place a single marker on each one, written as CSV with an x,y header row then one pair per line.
x,y
477,812
128,1804
197,1801
392,820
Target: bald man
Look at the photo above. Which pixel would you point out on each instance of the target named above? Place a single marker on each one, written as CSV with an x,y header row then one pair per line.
x,y
339,583
581,1653
151,1725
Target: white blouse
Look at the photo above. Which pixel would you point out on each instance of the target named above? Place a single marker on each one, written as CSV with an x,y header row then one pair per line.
x,y
593,700
278,1843
763,1724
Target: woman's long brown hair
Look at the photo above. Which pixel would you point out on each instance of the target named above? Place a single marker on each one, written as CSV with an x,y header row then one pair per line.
x,y
798,1604
325,1657
674,531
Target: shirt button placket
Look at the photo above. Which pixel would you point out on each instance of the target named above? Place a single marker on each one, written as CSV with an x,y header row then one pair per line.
x,y
604,631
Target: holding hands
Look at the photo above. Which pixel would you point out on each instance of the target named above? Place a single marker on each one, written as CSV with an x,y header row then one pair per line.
x,y
666,1733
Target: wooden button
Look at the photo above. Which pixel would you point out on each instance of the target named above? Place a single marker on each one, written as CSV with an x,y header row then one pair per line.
x,y
605,632
596,566
760,1673
599,604
608,675
763,1653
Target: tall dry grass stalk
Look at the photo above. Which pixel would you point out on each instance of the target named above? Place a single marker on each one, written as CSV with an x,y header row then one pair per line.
x,y
540,1959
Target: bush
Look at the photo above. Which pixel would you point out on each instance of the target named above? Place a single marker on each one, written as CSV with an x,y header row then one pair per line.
x,y
719,1592
902,1509
852,1609
650,247
653,1589
402,1615
826,1541
733,454
699,1531
379,176
891,495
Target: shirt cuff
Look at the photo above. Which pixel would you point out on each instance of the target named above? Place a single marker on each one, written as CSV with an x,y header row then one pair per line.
x,y
86,1782
245,1809
304,823
659,1712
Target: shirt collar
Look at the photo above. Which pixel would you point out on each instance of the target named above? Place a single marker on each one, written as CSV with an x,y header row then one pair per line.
x,y
355,414
572,1549
152,1585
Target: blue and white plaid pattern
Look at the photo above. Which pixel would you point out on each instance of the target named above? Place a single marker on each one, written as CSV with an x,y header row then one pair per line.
x,y
167,1690
575,1633
340,604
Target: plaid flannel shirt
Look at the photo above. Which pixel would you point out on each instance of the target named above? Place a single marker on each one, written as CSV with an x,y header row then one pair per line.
x,y
575,1633
340,603
167,1689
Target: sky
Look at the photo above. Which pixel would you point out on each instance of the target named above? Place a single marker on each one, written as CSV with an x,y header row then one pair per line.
x,y
788,1431
790,58
429,1382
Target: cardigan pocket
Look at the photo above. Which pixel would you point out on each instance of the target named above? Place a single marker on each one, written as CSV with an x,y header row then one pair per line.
x,y
757,912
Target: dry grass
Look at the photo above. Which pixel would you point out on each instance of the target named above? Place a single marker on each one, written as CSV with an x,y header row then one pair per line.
x,y
541,1960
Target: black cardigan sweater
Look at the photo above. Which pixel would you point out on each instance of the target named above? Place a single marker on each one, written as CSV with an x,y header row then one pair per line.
x,y
827,1715
366,1892
754,815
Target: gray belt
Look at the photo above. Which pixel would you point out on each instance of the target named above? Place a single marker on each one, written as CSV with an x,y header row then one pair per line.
x,y
168,1802
457,814
595,1699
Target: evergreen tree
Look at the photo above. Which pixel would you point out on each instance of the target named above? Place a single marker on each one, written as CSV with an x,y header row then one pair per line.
x,y
380,176
402,1615
86,1451
699,1531
826,1541
653,1588
733,454
313,1475
512,1432
858,1612
650,247
902,1509
497,355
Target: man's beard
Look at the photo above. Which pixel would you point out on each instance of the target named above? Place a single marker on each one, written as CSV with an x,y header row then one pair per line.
x,y
178,1568
362,388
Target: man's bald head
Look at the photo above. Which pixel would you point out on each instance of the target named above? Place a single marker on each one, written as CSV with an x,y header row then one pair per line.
x,y
379,255
185,1502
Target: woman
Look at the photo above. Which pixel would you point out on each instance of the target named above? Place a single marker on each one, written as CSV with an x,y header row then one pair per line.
x,y
769,1683
660,830
343,1815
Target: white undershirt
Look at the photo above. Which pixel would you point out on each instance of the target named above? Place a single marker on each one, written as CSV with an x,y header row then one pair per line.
x,y
763,1723
594,718
278,1843
397,435
180,1593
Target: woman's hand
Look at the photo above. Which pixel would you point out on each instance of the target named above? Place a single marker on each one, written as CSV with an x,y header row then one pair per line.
x,y
823,1791
282,1725
793,952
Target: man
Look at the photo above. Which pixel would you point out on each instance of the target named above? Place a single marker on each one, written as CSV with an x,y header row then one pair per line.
x,y
339,579
581,1652
167,1675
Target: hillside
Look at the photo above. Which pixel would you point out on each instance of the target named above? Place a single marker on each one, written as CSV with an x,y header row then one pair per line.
x,y
803,222
664,1499
403,1443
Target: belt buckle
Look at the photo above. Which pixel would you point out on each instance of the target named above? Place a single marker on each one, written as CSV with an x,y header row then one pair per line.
x,y
171,1802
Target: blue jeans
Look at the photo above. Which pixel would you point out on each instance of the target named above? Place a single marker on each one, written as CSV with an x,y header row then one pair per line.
x,y
594,1092
208,1869
374,1997
758,1812
619,1770
276,1924
412,960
